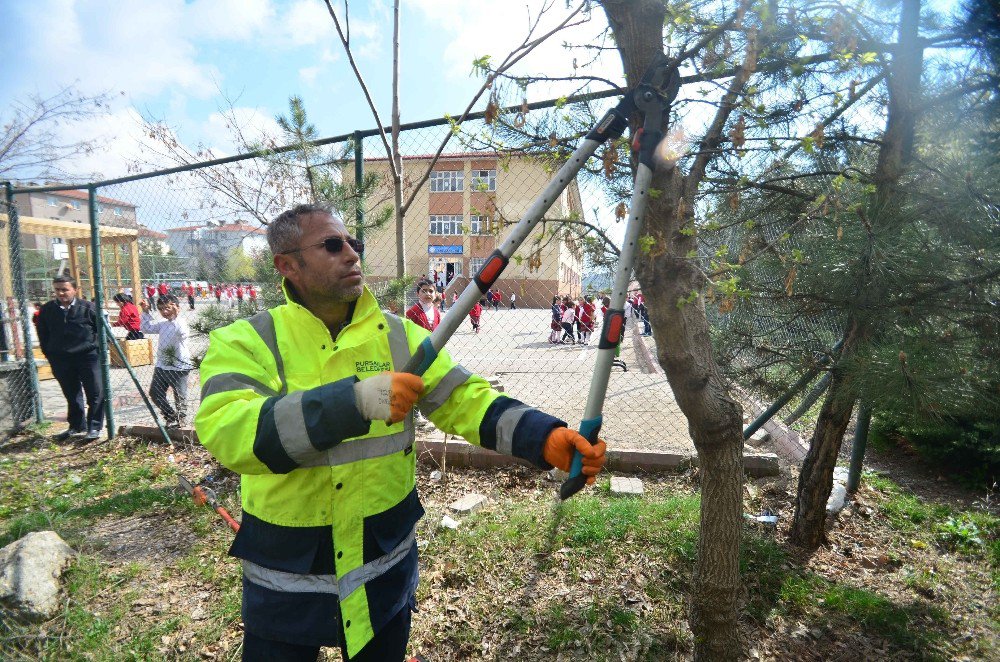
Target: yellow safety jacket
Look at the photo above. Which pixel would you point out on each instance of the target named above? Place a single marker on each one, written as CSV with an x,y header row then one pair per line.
x,y
329,499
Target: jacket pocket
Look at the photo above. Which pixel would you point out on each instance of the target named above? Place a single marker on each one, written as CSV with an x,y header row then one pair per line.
x,y
302,550
386,530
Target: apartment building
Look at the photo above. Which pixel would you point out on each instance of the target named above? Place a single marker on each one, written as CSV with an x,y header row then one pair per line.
x,y
464,211
213,240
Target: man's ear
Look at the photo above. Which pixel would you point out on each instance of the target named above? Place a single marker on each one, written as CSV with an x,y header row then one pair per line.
x,y
285,264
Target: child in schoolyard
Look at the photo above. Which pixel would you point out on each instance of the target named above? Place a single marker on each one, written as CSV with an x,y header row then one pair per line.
x,y
128,317
173,359
474,316
424,312
586,313
555,325
568,317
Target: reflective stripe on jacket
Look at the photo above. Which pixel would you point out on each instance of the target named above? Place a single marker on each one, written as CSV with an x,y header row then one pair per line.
x,y
278,407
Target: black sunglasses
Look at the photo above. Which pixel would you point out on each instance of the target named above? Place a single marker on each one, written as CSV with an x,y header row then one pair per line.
x,y
333,245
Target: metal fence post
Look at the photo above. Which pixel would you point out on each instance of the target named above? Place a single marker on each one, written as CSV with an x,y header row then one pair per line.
x,y
98,279
858,448
21,293
359,174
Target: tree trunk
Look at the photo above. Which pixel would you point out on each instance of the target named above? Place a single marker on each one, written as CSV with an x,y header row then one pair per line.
x,y
397,180
816,479
684,350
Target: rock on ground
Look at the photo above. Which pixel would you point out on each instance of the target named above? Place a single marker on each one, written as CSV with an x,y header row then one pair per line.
x,y
30,574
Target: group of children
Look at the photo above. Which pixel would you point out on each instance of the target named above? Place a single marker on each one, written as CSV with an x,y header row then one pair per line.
x,y
569,315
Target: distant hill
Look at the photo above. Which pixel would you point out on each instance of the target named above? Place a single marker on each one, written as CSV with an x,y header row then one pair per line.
x,y
596,282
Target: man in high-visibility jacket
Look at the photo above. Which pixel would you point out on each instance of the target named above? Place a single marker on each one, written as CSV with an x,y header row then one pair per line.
x,y
305,402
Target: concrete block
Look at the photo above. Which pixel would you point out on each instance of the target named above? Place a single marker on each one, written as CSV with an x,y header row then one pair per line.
x,y
626,486
469,503
763,464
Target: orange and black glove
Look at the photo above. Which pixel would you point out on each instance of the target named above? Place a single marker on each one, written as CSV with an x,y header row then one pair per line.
x,y
563,442
387,397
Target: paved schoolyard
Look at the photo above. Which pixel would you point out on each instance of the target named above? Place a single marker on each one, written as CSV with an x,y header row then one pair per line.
x,y
639,413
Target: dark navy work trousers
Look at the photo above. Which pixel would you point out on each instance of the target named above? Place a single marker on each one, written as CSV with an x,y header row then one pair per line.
x,y
78,375
389,645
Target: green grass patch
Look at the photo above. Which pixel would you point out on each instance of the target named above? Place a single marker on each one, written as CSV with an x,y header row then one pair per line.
x,y
59,514
903,624
665,524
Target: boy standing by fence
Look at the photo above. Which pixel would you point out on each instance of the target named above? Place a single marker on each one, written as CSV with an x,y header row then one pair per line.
x,y
173,359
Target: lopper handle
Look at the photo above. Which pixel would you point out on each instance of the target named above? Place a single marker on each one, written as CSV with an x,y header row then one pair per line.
x,y
233,524
589,428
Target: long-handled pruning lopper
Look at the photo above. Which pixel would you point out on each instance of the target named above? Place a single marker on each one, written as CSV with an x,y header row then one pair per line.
x,y
652,97
201,495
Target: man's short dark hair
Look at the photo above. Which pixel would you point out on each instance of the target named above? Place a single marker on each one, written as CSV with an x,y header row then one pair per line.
x,y
285,231
65,279
122,298
425,282
164,299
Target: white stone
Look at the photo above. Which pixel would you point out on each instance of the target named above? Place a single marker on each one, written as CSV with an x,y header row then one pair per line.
x,y
449,523
759,437
469,503
841,473
435,475
836,501
30,574
623,485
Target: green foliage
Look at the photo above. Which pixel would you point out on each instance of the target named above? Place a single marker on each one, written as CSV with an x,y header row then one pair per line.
x,y
960,534
391,294
967,445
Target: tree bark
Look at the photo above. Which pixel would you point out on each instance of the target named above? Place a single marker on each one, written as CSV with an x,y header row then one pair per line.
x,y
816,478
685,353
397,178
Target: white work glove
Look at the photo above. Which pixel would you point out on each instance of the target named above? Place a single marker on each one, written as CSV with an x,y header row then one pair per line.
x,y
387,397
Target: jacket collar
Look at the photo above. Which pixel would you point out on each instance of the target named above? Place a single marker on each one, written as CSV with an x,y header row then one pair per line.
x,y
361,312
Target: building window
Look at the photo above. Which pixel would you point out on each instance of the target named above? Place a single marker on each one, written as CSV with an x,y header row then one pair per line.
x,y
451,181
450,224
75,204
479,224
484,180
118,211
52,201
475,264
100,208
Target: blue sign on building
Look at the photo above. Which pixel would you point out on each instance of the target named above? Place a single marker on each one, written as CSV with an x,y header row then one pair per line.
x,y
444,250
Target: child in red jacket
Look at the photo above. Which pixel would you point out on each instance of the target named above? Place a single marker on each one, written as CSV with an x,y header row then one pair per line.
x,y
474,315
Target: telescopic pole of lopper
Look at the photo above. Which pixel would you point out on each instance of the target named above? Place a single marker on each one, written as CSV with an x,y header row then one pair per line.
x,y
652,98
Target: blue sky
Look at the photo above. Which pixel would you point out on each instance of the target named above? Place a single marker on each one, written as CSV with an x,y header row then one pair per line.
x,y
177,61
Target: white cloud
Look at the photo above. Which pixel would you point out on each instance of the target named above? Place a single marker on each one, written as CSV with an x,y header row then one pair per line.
x,y
137,47
307,22
229,19
256,126
477,29
309,74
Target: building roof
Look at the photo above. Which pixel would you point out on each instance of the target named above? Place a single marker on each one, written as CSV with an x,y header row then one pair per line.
x,y
454,156
237,227
151,234
186,228
83,195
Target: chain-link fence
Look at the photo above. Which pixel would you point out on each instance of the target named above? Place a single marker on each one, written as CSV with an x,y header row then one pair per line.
x,y
198,232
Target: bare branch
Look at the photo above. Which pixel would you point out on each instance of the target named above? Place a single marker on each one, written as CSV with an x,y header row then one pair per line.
x,y
345,41
509,61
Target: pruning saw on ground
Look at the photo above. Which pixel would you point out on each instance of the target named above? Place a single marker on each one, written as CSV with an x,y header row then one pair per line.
x,y
651,97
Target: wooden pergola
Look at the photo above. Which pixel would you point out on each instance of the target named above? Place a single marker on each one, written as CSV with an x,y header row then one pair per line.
x,y
123,242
